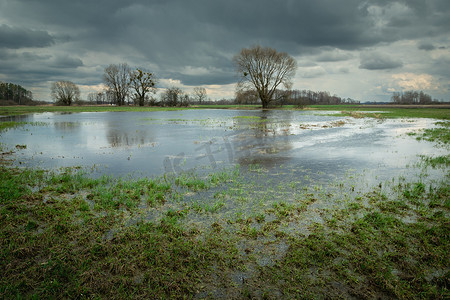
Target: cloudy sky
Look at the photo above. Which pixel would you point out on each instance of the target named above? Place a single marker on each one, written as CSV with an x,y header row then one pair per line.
x,y
364,50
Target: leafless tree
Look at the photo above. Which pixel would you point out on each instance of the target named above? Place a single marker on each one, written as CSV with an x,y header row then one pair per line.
x,y
264,69
65,92
411,97
117,80
174,96
142,83
200,94
249,96
100,98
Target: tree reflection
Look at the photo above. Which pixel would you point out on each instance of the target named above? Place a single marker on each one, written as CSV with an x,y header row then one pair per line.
x,y
119,137
260,138
67,126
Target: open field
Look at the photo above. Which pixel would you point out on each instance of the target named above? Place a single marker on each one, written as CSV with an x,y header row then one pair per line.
x,y
234,233
393,111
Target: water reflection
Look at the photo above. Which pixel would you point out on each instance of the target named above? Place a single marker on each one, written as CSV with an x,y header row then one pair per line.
x,y
18,118
263,138
67,126
179,141
120,138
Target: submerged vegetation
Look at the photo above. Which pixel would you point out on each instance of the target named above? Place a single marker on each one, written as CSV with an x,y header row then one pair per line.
x,y
64,234
233,233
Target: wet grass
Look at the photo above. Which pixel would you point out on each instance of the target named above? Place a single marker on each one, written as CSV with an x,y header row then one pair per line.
x,y
227,234
19,110
388,112
440,134
10,124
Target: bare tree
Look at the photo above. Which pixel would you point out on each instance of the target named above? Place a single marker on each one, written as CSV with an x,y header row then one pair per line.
x,y
264,69
65,92
117,79
173,96
249,96
142,83
200,94
100,98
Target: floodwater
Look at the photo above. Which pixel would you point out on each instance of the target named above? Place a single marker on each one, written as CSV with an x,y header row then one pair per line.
x,y
153,143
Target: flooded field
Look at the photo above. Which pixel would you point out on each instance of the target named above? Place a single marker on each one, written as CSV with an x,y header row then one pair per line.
x,y
302,200
154,143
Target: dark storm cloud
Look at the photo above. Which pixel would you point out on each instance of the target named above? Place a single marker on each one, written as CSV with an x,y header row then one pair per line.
x,y
15,37
65,61
426,46
333,56
378,61
172,36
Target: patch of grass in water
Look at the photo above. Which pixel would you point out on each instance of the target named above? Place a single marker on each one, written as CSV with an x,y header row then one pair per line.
x,y
440,135
437,161
247,117
359,115
10,124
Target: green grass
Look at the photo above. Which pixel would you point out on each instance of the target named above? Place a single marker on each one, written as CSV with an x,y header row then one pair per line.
x,y
10,124
18,110
64,234
389,112
439,135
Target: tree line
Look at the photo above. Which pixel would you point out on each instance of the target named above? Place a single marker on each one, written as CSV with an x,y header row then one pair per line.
x,y
412,97
125,86
11,93
294,97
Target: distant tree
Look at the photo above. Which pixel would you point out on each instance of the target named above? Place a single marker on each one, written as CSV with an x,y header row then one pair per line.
x,y
170,97
264,69
396,98
424,98
100,98
91,97
65,92
142,83
184,99
117,80
174,96
200,95
411,97
249,96
11,92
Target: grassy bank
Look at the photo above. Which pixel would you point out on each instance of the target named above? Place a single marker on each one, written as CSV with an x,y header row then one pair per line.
x,y
389,112
385,111
229,234
19,110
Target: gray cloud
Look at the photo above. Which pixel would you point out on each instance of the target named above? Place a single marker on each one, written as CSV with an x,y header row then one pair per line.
x,y
378,61
172,36
426,46
333,56
65,61
15,37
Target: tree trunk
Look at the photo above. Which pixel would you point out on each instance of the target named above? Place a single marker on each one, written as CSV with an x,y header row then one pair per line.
x,y
264,100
